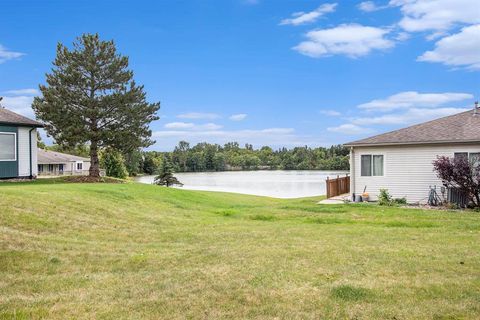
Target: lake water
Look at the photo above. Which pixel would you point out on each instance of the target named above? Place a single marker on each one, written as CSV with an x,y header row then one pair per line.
x,y
277,184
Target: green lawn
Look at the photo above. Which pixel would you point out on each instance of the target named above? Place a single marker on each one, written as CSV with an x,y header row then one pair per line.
x,y
118,251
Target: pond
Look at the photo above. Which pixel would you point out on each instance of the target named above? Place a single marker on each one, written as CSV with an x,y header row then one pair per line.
x,y
277,183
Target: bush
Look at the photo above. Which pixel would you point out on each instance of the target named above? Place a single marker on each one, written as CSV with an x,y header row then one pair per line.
x,y
385,198
114,164
400,201
460,173
451,206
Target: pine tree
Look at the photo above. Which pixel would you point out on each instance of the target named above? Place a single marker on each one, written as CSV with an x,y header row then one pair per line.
x,y
166,177
91,97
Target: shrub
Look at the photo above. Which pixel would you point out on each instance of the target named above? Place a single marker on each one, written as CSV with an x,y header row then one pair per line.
x,y
461,174
451,206
385,198
114,164
400,201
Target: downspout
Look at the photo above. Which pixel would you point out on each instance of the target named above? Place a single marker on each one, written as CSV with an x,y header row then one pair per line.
x,y
352,173
31,157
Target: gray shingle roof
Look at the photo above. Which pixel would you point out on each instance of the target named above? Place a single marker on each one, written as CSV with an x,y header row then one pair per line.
x,y
457,128
50,157
9,117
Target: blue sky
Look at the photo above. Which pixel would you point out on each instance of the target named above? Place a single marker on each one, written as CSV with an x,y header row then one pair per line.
x,y
278,73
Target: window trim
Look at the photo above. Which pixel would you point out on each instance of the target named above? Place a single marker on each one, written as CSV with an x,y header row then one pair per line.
x,y
372,155
14,134
467,153
77,164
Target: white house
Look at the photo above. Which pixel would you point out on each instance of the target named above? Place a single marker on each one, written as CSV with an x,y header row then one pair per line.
x,y
51,163
401,160
18,145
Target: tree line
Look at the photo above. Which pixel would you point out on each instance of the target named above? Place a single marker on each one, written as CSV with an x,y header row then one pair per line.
x,y
231,156
214,157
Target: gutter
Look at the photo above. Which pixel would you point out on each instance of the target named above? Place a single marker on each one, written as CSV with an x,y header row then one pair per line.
x,y
352,173
420,143
30,149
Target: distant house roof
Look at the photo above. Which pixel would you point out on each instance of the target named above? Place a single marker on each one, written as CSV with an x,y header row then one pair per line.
x,y
52,157
9,117
458,128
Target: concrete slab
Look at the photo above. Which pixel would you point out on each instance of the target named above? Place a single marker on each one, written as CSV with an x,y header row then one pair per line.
x,y
336,200
331,201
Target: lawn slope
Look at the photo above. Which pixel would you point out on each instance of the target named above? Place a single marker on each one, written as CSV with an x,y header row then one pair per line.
x,y
123,251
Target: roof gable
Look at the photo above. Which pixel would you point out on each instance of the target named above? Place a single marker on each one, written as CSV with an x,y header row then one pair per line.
x,y
457,128
10,117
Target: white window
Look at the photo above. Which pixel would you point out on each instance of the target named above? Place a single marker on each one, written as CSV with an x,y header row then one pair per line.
x,y
473,157
8,146
371,165
79,166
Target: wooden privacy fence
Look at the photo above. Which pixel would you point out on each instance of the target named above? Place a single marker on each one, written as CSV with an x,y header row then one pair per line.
x,y
338,186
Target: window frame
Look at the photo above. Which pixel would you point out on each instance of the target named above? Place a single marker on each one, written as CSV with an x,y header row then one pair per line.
x,y
14,134
372,155
467,155
77,165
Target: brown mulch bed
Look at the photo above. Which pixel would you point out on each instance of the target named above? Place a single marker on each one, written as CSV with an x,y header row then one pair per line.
x,y
87,179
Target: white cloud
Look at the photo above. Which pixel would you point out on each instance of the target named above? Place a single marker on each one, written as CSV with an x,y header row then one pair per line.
x,y
238,117
6,54
19,104
411,99
369,6
275,137
20,101
458,50
179,125
23,92
300,18
208,126
409,108
192,126
352,40
330,113
411,116
434,15
350,129
402,36
198,115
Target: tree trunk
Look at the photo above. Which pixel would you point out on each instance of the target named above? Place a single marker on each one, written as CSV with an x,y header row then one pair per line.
x,y
94,162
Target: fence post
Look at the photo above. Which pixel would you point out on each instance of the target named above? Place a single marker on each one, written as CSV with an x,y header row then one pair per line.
x,y
338,186
328,188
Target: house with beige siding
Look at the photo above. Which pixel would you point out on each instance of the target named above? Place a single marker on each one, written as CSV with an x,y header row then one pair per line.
x,y
51,163
401,160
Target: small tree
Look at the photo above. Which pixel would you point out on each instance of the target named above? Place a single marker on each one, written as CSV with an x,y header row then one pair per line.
x,y
461,174
114,164
166,177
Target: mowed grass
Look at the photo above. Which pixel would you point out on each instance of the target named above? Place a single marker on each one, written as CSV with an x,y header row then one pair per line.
x,y
131,251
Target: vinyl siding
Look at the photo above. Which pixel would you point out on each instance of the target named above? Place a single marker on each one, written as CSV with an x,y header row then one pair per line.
x,y
34,153
24,152
408,170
